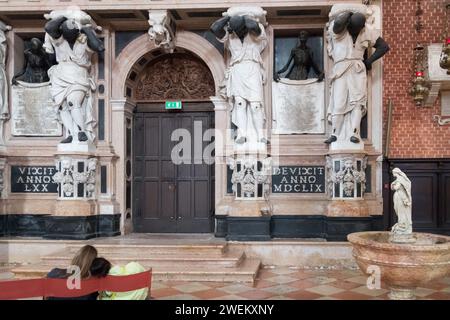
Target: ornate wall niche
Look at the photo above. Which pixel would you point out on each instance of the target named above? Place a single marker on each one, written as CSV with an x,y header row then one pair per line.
x,y
178,76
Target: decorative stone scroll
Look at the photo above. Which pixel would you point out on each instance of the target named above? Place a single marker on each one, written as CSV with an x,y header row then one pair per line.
x,y
162,29
33,113
76,177
346,176
179,76
251,177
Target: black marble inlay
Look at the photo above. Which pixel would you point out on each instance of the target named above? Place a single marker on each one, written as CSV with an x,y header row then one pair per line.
x,y
123,38
308,226
101,64
103,179
26,225
294,226
33,179
221,227
60,227
248,228
368,172
3,223
101,119
208,35
108,225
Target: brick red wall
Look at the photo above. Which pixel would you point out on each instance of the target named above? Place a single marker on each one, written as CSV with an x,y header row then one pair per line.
x,y
414,133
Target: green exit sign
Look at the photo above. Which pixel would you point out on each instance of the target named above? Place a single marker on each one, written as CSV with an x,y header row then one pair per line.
x,y
173,105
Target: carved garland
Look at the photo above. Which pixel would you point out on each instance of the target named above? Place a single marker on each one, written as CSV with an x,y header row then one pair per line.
x,y
176,77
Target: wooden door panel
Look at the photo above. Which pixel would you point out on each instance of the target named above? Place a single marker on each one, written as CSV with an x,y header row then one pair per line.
x,y
168,125
170,197
445,196
202,208
151,136
167,208
184,207
424,207
150,199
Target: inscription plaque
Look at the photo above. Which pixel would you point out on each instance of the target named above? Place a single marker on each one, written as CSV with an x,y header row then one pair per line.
x,y
33,179
298,179
33,113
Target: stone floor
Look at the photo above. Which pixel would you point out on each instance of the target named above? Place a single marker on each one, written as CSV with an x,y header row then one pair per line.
x,y
292,284
285,283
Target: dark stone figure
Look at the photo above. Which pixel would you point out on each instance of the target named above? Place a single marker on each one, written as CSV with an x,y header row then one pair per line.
x,y
36,65
303,59
239,25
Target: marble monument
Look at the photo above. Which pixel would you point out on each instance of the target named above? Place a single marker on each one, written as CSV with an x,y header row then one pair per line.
x,y
350,35
71,36
244,36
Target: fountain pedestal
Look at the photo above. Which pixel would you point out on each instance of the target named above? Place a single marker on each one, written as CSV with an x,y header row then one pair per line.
x,y
403,266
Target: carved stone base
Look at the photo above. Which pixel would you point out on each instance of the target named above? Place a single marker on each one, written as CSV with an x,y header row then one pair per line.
x,y
402,238
75,208
350,208
345,146
244,208
86,147
401,293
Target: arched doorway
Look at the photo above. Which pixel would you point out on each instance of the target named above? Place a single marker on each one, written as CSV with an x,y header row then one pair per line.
x,y
126,67
173,189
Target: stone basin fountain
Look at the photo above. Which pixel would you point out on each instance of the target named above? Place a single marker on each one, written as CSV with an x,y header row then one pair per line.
x,y
405,259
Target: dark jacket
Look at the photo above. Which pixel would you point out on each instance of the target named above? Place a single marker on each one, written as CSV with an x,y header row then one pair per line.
x,y
58,273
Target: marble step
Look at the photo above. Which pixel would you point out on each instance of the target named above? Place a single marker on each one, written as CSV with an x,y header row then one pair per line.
x,y
229,259
246,272
162,249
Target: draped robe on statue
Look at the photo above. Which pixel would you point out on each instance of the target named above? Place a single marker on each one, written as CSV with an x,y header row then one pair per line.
x,y
72,74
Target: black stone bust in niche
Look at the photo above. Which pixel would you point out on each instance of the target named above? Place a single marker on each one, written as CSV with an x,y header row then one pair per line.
x,y
37,63
300,61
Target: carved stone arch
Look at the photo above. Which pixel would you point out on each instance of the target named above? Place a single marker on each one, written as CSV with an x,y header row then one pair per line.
x,y
140,51
177,76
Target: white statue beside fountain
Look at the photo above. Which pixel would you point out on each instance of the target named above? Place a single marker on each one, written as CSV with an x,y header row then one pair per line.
x,y
401,232
406,260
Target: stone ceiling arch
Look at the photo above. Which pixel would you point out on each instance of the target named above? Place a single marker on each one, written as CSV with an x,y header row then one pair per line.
x,y
135,56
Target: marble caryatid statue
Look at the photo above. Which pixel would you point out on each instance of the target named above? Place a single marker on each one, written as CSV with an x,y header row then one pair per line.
x,y
71,37
402,230
4,109
303,61
245,38
349,39
36,64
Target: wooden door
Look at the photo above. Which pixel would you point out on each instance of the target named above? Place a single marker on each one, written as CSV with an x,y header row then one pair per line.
x,y
171,197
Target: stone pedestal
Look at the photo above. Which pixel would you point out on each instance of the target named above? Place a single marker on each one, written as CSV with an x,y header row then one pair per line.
x,y
346,184
75,215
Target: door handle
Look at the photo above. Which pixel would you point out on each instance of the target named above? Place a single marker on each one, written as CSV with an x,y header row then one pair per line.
x,y
172,187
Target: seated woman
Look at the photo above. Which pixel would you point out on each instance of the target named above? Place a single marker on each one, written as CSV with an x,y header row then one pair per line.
x,y
128,269
83,259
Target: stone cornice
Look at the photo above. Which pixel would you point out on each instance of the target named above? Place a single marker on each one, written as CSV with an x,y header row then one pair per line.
x,y
48,5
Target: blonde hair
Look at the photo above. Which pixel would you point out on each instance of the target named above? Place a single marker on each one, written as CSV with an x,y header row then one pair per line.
x,y
83,259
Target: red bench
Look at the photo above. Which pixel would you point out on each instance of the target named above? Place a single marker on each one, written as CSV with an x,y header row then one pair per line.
x,y
45,287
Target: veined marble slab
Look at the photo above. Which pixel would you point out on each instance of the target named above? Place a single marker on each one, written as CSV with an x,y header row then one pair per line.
x,y
33,113
298,106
